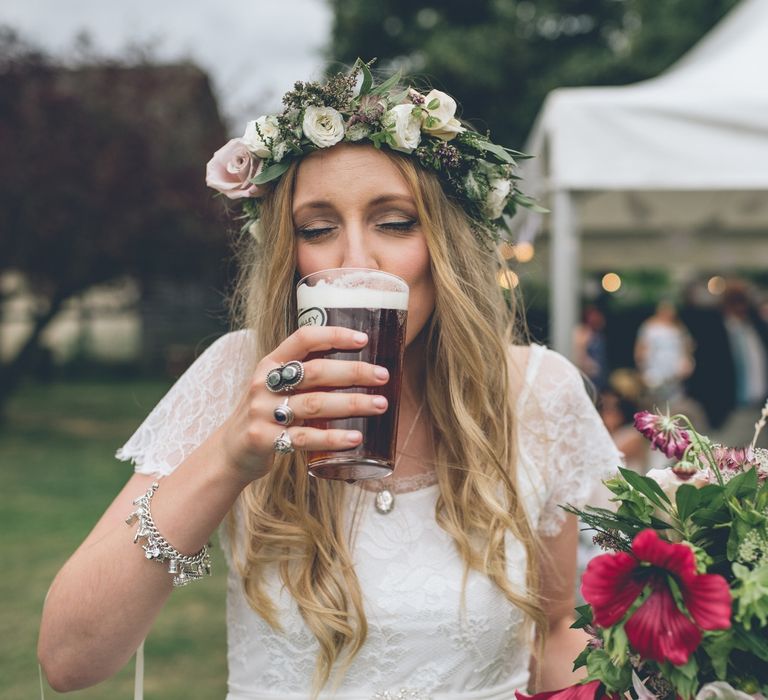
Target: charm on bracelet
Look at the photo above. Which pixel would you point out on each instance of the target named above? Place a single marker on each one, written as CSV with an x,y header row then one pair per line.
x,y
184,568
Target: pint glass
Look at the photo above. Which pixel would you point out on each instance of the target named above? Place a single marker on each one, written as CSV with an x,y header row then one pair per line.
x,y
376,303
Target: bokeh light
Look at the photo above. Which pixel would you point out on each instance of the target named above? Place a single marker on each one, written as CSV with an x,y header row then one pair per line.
x,y
508,279
716,285
611,282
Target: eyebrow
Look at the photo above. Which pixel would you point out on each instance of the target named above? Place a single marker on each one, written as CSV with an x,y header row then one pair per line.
x,y
320,204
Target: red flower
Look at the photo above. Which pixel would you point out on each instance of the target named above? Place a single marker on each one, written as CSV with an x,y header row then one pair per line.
x,y
593,690
657,629
663,432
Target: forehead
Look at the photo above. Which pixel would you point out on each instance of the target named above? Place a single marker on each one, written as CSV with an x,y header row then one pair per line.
x,y
347,172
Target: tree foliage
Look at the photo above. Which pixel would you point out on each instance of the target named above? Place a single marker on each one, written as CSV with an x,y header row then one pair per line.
x,y
500,58
103,177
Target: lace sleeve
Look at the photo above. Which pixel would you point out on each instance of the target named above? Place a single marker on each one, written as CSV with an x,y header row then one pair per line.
x,y
580,451
197,404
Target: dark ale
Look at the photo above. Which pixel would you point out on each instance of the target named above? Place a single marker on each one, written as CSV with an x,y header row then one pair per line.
x,y
374,458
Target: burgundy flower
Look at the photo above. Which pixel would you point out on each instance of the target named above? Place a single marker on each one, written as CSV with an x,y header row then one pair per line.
x,y
663,432
657,630
594,690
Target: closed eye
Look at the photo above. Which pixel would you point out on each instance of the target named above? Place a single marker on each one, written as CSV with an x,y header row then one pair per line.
x,y
310,234
399,226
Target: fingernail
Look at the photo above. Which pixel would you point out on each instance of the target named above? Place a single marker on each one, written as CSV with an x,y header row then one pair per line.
x,y
354,436
381,373
379,402
360,337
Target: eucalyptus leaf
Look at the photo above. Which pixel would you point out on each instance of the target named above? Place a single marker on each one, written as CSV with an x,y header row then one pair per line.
x,y
387,84
367,83
273,172
499,151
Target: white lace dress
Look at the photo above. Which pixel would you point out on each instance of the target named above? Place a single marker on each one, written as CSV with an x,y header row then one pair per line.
x,y
421,644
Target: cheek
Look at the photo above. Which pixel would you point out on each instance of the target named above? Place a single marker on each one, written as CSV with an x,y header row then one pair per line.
x,y
309,259
421,303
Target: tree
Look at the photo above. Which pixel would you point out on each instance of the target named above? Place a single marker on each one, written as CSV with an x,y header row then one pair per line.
x,y
500,58
102,177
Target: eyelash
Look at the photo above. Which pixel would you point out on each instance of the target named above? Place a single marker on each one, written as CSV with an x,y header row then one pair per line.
x,y
310,234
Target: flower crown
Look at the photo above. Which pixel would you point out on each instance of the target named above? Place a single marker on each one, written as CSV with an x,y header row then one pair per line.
x,y
351,108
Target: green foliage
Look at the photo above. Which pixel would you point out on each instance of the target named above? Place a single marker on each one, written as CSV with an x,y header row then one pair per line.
x,y
601,666
500,58
57,475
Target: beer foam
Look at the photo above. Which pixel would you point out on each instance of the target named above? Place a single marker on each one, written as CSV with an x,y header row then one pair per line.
x,y
332,297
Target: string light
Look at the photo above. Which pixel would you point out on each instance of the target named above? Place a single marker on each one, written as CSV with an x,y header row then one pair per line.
x,y
508,279
524,251
611,282
716,285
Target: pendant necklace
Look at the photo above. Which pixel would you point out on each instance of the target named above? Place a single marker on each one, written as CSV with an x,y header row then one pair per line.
x,y
385,497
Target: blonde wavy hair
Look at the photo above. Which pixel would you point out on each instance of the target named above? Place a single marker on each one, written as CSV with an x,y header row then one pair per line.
x,y
296,525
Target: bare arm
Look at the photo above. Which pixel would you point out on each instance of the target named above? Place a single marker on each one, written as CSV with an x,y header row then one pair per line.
x,y
563,644
105,598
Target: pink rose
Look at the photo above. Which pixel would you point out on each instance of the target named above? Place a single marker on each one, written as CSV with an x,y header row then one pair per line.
x,y
231,169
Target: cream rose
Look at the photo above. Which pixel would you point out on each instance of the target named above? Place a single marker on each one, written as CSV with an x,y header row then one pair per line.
x,y
231,169
670,482
323,126
406,127
259,144
720,690
440,120
498,193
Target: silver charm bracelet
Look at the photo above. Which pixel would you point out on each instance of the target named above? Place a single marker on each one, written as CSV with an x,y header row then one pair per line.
x,y
185,569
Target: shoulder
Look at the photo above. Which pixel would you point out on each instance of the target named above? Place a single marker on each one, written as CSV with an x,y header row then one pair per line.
x,y
544,378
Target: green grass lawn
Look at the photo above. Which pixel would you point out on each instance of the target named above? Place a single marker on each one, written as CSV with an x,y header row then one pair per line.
x,y
57,474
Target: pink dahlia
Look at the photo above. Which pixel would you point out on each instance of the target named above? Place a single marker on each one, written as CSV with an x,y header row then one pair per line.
x,y
664,433
658,629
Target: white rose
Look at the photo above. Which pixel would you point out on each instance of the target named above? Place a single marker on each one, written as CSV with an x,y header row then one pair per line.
x,y
407,127
323,126
496,199
440,121
259,144
720,690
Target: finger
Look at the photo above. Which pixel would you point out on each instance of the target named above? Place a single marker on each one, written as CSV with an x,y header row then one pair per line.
x,y
342,373
336,405
316,339
314,439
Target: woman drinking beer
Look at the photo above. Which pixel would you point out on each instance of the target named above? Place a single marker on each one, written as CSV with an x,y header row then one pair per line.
x,y
452,578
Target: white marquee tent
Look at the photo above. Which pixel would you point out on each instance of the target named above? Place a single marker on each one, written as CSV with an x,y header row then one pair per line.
x,y
675,168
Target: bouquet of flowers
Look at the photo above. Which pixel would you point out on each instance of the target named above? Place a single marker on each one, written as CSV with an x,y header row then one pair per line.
x,y
678,606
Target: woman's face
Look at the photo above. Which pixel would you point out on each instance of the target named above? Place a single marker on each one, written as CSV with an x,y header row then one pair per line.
x,y
353,208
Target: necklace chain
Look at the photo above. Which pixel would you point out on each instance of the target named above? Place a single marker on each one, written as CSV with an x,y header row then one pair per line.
x,y
384,501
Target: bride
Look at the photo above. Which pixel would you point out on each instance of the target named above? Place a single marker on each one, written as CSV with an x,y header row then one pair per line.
x,y
464,587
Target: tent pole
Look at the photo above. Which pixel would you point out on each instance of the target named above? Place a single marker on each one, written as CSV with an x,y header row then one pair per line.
x,y
565,267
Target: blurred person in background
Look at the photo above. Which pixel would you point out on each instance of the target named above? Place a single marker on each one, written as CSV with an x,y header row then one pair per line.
x,y
744,370
729,378
590,348
664,355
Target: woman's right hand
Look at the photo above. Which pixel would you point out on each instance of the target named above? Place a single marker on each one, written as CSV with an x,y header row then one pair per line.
x,y
248,435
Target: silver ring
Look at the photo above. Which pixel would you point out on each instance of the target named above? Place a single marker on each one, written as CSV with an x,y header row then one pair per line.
x,y
283,413
283,444
285,377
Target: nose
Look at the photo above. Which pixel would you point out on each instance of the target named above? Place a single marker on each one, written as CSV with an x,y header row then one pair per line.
x,y
357,250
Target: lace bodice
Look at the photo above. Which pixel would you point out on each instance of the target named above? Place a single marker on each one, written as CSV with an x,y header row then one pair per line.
x,y
421,643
